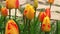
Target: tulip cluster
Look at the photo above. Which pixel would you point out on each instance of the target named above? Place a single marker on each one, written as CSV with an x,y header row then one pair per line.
x,y
44,17
29,13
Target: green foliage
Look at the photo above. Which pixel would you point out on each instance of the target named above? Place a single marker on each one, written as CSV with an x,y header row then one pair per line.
x,y
33,26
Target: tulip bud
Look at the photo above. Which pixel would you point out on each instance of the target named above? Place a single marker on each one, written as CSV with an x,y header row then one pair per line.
x,y
11,27
35,3
42,15
12,4
29,11
51,1
47,11
4,11
46,26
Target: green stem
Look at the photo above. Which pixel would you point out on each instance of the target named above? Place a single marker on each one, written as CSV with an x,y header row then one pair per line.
x,y
35,25
2,32
4,25
57,27
46,32
29,27
34,20
9,13
15,13
25,25
34,14
40,29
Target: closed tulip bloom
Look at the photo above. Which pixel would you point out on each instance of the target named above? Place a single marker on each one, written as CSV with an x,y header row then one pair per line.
x,y
46,26
4,11
29,11
12,4
11,27
35,3
51,1
42,15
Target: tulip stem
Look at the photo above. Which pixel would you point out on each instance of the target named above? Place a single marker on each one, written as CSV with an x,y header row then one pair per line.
x,y
34,20
40,28
46,32
34,14
4,24
57,27
9,13
25,25
15,13
29,27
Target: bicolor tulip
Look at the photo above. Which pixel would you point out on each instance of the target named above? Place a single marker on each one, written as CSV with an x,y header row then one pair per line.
x,y
47,11
51,1
12,4
42,15
11,27
29,11
4,11
46,26
35,3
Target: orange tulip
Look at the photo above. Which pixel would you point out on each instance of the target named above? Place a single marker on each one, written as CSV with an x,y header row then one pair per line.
x,y
42,15
12,4
51,1
11,27
4,11
46,26
47,11
29,11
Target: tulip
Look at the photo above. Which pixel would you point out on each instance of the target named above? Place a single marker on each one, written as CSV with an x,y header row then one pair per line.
x,y
12,4
46,26
42,15
29,11
47,11
4,11
35,3
11,27
51,1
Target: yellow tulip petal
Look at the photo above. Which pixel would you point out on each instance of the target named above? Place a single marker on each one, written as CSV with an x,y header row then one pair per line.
x,y
46,24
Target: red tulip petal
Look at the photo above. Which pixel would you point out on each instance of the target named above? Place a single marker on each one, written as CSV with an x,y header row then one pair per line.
x,y
17,3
